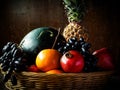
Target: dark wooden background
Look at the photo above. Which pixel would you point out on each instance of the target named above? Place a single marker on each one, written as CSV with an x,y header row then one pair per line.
x,y
18,17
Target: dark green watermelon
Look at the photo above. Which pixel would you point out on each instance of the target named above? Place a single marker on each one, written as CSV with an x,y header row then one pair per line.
x,y
37,40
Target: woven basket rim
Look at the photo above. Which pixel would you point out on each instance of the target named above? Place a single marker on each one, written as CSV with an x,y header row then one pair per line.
x,y
43,81
26,73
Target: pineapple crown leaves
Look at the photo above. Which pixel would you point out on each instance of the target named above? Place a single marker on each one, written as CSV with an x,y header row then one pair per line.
x,y
75,9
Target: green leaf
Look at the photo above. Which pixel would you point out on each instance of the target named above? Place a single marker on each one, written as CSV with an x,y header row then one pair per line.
x,y
74,1
67,2
75,9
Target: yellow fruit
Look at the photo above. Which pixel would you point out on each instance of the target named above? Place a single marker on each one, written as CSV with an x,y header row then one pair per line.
x,y
48,59
54,71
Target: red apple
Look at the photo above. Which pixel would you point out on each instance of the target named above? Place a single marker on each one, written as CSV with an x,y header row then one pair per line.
x,y
72,61
33,68
105,60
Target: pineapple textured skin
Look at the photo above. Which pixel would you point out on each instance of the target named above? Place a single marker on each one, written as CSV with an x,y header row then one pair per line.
x,y
74,29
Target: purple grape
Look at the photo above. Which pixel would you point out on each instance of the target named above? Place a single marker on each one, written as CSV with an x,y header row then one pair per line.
x,y
6,47
12,60
81,39
83,47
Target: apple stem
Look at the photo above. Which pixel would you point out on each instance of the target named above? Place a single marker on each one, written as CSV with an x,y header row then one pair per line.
x,y
56,38
68,55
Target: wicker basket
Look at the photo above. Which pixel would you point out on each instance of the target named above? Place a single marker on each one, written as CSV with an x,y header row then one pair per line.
x,y
64,81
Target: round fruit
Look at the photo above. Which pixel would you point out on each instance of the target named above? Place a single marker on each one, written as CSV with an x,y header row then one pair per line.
x,y
54,71
33,68
37,40
105,59
48,59
72,61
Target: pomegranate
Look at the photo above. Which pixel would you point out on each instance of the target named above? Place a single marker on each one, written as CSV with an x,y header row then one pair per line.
x,y
72,61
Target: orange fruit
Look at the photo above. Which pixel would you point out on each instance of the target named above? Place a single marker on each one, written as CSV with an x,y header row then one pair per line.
x,y
54,71
48,59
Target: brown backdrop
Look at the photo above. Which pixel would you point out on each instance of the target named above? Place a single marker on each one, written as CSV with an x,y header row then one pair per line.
x,y
18,17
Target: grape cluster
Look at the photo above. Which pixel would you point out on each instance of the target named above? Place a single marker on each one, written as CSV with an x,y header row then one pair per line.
x,y
81,46
12,60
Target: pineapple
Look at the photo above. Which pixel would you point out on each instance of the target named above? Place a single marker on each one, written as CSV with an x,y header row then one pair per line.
x,y
75,10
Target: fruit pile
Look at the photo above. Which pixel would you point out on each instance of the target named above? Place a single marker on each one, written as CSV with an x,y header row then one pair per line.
x,y
82,47
33,55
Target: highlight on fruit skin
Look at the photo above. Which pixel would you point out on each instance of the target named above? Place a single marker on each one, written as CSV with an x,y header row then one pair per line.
x,y
13,60
48,59
19,57
39,39
72,62
54,71
105,59
84,48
